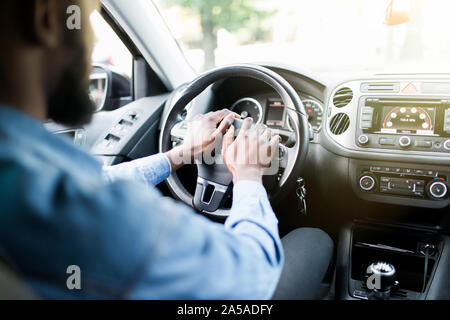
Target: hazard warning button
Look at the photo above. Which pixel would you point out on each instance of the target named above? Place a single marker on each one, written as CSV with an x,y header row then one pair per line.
x,y
410,88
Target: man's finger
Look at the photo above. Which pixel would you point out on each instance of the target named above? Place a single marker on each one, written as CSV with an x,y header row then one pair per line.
x,y
225,124
228,140
274,144
245,128
265,135
218,116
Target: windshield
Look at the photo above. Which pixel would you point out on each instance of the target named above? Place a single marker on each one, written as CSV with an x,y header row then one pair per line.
x,y
324,36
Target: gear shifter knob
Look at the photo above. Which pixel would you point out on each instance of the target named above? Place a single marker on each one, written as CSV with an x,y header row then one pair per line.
x,y
381,279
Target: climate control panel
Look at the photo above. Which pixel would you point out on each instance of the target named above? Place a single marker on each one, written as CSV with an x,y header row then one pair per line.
x,y
423,183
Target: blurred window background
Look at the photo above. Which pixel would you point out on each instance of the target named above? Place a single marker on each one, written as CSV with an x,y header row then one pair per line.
x,y
109,49
324,36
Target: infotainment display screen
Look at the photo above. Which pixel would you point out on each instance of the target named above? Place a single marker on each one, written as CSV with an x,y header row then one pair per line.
x,y
414,120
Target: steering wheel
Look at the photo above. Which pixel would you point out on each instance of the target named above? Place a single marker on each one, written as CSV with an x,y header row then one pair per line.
x,y
214,181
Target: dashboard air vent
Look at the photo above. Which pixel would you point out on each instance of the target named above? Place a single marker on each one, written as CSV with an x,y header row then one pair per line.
x,y
380,87
339,124
343,97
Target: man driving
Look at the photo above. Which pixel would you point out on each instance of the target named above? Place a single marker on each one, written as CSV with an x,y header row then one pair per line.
x,y
60,208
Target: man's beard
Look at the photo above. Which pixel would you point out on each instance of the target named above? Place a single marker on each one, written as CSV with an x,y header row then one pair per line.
x,y
70,104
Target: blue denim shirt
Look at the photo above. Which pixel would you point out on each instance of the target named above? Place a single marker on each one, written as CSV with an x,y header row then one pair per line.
x,y
59,207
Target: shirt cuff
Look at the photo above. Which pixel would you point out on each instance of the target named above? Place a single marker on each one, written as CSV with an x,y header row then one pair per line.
x,y
150,170
248,189
168,163
155,169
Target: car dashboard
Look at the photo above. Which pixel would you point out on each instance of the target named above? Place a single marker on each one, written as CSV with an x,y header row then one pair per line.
x,y
269,109
389,136
384,138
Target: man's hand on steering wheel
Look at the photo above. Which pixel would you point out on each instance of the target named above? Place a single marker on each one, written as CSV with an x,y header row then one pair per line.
x,y
203,132
251,153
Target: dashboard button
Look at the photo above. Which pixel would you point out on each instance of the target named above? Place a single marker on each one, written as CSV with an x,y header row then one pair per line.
x,y
363,139
387,142
367,183
424,144
405,142
438,190
407,171
420,183
419,172
431,173
447,145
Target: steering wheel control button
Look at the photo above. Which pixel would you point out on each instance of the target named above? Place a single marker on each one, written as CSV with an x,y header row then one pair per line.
x,y
405,142
447,145
363,139
367,183
438,190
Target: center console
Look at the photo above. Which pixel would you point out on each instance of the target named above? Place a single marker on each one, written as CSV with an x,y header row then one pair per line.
x,y
377,262
395,134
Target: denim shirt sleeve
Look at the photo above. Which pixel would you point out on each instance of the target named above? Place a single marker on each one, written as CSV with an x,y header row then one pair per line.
x,y
150,170
252,214
197,259
60,209
130,243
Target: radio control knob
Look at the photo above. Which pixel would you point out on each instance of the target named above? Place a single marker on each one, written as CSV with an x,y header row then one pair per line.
x,y
405,142
367,182
447,145
363,139
437,190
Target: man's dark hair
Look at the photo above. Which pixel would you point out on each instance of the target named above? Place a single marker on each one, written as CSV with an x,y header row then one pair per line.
x,y
68,103
16,20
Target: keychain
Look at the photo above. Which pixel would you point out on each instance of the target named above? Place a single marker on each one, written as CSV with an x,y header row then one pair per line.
x,y
301,195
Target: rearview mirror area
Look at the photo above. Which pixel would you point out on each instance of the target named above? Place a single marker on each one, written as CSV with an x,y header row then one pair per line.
x,y
108,88
395,16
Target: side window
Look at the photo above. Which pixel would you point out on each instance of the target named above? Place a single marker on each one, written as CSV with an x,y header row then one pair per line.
x,y
109,49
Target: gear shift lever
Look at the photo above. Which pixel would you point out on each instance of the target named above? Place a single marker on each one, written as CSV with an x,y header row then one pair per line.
x,y
381,280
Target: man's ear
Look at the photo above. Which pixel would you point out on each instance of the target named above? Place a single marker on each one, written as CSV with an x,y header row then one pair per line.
x,y
48,22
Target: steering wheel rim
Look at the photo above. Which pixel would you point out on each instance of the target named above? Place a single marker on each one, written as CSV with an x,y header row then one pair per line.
x,y
296,155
